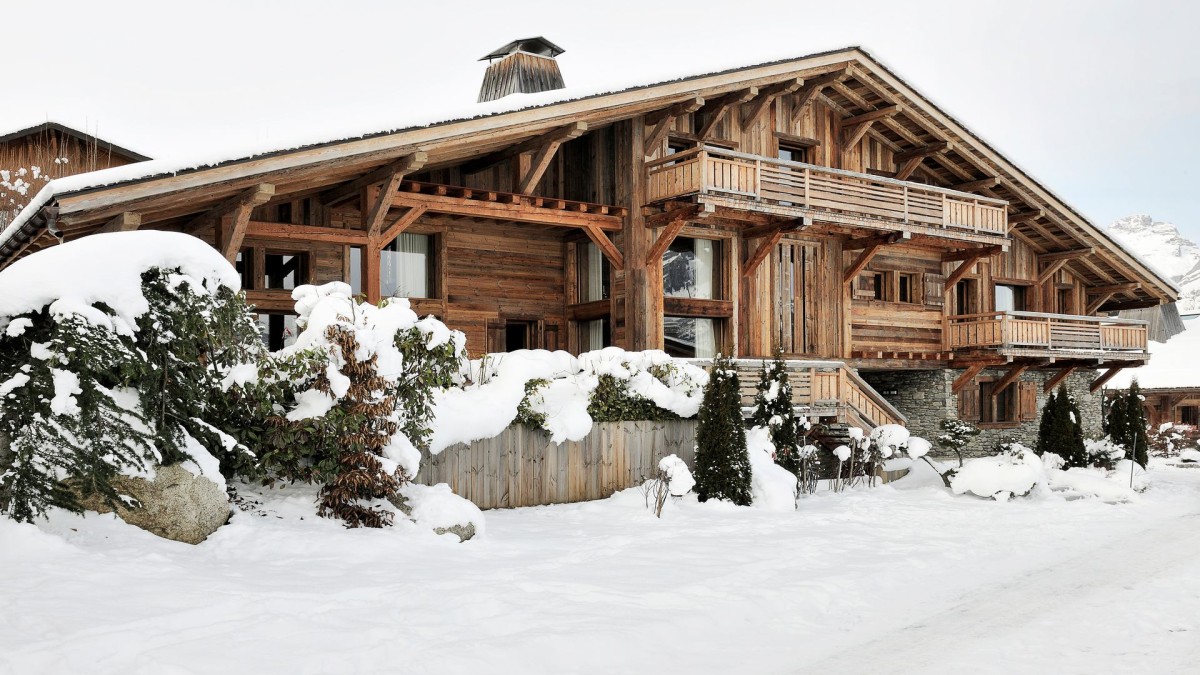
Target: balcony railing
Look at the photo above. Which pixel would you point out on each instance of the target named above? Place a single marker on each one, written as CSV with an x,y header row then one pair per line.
x,y
1047,333
716,171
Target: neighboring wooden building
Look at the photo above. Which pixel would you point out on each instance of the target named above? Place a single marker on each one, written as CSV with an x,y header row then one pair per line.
x,y
1178,405
819,206
30,158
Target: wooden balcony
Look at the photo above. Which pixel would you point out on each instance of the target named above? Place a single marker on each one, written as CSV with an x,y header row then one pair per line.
x,y
1030,334
748,182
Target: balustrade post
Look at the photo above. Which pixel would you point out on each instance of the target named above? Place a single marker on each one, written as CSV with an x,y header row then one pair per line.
x,y
906,202
945,211
703,157
807,177
758,179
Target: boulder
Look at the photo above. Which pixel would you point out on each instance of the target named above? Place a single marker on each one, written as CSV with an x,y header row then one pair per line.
x,y
177,504
438,508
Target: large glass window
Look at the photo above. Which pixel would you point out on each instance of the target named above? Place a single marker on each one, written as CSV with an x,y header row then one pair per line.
x,y
406,267
689,269
277,330
1010,298
356,272
593,273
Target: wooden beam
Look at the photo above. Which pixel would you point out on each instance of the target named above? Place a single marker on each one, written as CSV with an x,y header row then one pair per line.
x,y
557,135
607,247
871,116
720,106
766,96
254,196
522,213
1051,270
1066,255
407,164
968,375
663,124
288,232
967,263
972,253
1013,374
923,151
767,229
860,262
1094,305
852,135
383,202
670,231
401,224
981,184
760,254
1025,216
813,88
688,212
1061,375
123,222
1113,288
1103,379
877,240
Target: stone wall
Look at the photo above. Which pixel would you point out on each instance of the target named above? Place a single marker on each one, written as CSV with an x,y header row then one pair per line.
x,y
925,398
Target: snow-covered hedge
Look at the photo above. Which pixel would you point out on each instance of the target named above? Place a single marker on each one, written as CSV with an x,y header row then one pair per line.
x,y
564,394
1020,472
112,353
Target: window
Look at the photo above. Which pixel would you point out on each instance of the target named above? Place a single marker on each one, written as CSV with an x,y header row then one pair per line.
x,y
593,275
906,287
406,267
1010,298
595,334
692,272
791,152
245,267
964,297
356,273
1189,415
285,271
277,330
997,406
1065,305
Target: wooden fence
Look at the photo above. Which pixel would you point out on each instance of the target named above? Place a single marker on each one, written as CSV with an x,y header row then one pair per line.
x,y
521,467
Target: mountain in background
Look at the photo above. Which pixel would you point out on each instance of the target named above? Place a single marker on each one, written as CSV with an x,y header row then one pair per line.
x,y
1166,250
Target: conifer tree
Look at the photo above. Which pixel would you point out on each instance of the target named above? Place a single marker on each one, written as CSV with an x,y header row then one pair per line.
x,y
722,462
773,410
1061,429
1138,441
1116,424
1077,453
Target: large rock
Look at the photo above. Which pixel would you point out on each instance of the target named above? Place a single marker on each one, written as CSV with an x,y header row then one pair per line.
x,y
176,505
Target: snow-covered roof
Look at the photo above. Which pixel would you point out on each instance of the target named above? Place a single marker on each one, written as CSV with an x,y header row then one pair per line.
x,y
622,83
49,126
1172,364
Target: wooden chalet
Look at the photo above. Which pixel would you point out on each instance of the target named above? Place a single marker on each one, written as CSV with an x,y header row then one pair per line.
x,y
1177,405
819,206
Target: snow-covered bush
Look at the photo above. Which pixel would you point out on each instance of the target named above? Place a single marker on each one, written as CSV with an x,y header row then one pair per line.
x,y
677,474
564,394
112,355
771,486
1168,439
361,412
1102,452
722,464
1009,474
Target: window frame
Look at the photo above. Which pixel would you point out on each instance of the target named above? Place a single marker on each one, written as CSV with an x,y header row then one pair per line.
x,y
719,308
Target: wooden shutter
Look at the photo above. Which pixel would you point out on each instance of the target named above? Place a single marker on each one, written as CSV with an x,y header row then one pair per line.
x,y
968,402
864,286
495,336
1027,400
935,289
549,336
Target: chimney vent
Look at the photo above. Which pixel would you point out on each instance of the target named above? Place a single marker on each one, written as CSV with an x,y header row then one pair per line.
x,y
524,66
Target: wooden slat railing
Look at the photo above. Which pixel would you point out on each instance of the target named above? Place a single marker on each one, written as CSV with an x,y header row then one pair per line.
x,y
821,389
710,170
1052,332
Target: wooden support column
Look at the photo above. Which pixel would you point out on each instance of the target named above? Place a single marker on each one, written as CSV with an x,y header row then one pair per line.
x,y
675,221
643,278
123,222
1103,379
607,247
967,375
1061,375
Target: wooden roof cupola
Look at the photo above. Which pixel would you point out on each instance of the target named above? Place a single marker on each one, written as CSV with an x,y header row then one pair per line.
x,y
525,66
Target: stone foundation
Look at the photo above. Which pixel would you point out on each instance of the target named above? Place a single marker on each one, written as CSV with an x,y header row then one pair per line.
x,y
925,398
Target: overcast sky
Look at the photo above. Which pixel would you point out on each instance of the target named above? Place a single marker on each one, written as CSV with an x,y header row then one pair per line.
x,y
1100,100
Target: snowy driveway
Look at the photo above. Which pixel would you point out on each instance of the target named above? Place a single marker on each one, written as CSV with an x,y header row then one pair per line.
x,y
889,580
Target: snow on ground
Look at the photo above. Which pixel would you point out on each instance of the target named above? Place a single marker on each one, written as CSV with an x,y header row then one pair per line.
x,y
901,578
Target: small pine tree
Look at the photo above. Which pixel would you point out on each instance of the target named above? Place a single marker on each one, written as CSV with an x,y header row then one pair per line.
x,y
1126,424
773,410
722,462
956,435
1061,429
